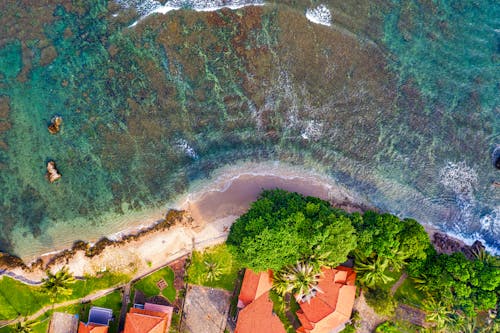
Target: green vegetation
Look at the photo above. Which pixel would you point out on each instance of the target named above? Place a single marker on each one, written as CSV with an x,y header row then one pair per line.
x,y
111,301
462,285
295,235
226,264
300,279
408,293
58,284
381,301
282,228
19,299
148,284
281,307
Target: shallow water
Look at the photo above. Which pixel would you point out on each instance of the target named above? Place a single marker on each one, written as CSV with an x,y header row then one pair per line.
x,y
397,101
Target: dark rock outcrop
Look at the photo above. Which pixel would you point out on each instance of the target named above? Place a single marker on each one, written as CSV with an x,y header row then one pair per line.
x,y
55,125
52,172
446,244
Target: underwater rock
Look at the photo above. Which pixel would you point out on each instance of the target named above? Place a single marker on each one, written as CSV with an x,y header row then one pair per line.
x,y
495,157
52,173
55,124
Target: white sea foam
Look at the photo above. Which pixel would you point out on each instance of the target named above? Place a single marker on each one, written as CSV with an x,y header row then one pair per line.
x,y
313,130
186,148
459,178
319,15
148,7
491,222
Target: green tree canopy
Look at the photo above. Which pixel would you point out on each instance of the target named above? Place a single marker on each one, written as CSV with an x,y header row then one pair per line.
x,y
282,228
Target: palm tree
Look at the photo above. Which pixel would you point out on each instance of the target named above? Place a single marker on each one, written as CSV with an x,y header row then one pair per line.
x,y
397,261
213,272
24,326
58,283
421,282
372,272
301,279
437,312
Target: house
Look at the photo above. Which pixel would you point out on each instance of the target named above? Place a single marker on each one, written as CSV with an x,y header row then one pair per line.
x,y
331,308
148,318
326,312
98,322
63,323
256,309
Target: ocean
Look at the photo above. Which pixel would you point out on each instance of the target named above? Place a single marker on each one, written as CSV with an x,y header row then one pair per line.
x,y
396,100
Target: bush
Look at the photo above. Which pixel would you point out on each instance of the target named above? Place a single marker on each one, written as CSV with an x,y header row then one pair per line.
x,y
387,327
381,301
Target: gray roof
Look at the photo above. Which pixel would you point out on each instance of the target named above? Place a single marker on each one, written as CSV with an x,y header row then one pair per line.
x,y
101,316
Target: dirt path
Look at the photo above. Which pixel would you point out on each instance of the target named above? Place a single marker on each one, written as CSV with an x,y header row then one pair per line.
x,y
369,319
399,283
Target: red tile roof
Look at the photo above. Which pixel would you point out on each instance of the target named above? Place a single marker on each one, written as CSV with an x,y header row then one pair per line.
x,y
258,317
92,328
254,285
332,306
147,321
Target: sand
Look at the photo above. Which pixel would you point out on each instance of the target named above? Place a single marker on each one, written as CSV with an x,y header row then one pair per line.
x,y
213,205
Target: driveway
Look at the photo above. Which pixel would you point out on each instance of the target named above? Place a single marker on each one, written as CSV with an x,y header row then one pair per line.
x,y
205,310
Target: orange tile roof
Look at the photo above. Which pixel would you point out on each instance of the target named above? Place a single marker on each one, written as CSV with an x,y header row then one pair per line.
x,y
333,305
254,285
146,321
258,317
92,328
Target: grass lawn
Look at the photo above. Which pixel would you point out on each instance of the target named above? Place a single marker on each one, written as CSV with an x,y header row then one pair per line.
x,y
111,301
148,284
19,299
219,254
408,294
85,287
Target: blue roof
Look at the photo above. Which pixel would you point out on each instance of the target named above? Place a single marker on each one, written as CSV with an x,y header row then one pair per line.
x,y
100,316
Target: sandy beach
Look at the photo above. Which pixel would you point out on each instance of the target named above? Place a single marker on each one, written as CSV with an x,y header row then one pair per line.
x,y
209,211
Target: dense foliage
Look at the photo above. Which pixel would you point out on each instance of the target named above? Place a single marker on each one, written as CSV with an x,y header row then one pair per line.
x,y
459,283
282,228
394,241
285,231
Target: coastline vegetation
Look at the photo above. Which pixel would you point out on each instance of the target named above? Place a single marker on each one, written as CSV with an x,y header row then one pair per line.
x,y
295,236
284,230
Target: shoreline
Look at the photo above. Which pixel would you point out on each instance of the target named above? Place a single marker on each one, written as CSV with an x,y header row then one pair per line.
x,y
202,219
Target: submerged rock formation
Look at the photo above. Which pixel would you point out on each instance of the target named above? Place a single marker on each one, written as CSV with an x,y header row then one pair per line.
x,y
55,124
52,173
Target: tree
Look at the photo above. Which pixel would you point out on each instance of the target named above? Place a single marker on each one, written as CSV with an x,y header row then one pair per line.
x,y
301,279
437,313
58,284
25,326
282,228
213,272
381,301
372,272
271,249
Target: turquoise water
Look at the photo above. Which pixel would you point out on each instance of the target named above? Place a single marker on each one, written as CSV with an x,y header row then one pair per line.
x,y
398,101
